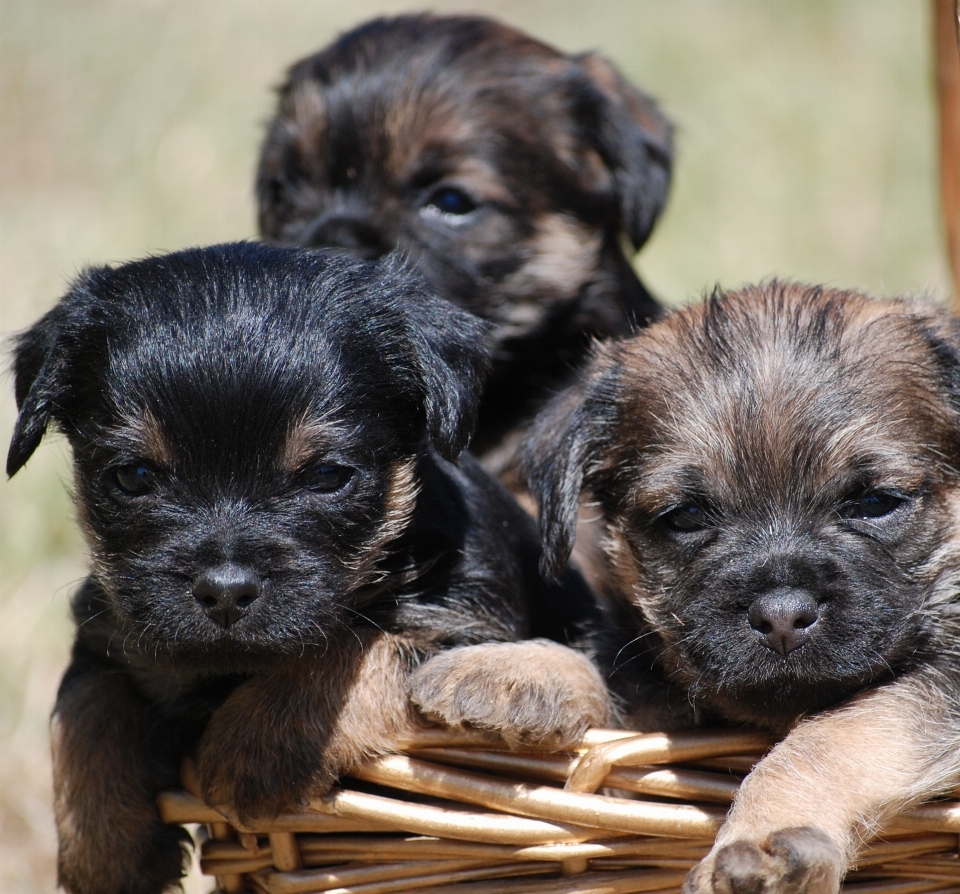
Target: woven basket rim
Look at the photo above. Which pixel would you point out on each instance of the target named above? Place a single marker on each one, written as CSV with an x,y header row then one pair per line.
x,y
455,811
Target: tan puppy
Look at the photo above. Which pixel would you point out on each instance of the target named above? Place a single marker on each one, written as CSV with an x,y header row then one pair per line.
x,y
511,174
778,474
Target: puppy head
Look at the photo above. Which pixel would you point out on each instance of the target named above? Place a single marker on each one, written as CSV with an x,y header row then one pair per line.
x,y
245,423
778,474
505,169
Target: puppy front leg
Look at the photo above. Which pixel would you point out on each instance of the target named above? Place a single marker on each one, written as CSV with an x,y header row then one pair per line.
x,y
110,760
802,814
533,692
285,736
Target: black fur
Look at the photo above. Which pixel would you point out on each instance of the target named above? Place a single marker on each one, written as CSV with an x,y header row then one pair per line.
x,y
371,131
253,409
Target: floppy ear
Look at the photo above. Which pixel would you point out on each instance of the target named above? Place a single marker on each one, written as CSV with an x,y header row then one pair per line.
x,y
450,350
636,139
40,359
942,332
37,368
562,448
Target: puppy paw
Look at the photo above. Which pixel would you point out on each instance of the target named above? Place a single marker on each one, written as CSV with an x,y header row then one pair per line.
x,y
257,760
802,860
144,857
258,781
533,692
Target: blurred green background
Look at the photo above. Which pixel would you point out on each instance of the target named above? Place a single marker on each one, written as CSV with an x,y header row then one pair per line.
x,y
806,148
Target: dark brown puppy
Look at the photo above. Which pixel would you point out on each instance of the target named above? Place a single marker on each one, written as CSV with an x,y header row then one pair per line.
x,y
512,176
263,446
778,473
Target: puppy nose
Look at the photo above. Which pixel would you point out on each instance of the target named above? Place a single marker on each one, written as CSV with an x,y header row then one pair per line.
x,y
353,234
783,618
226,592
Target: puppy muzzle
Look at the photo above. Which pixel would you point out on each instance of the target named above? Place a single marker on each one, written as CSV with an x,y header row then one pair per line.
x,y
352,233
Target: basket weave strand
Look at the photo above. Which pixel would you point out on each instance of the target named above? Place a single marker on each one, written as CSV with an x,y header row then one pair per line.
x,y
456,815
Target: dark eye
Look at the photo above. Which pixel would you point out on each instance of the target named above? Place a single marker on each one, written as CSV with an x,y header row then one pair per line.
x,y
450,200
326,478
133,480
685,518
873,504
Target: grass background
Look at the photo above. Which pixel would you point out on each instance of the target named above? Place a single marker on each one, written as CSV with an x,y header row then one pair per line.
x,y
806,148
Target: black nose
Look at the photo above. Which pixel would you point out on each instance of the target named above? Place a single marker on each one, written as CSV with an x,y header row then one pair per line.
x,y
226,592
353,234
782,618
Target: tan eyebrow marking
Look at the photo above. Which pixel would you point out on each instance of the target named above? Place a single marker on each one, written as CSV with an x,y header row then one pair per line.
x,y
152,441
306,438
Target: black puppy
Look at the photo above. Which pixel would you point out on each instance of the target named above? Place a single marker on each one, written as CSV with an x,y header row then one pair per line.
x,y
511,174
263,443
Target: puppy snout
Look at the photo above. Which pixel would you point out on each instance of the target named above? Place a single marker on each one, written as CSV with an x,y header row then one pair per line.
x,y
353,234
226,592
783,618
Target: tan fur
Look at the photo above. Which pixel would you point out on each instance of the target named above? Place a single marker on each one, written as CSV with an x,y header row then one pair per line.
x,y
305,442
775,413
398,506
845,774
345,705
533,692
400,501
565,253
558,162
429,118
307,439
377,713
850,770
152,441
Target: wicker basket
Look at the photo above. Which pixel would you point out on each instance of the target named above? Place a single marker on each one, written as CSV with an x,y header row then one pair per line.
x,y
456,816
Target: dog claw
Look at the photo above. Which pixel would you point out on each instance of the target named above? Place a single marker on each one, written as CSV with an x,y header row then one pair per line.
x,y
800,860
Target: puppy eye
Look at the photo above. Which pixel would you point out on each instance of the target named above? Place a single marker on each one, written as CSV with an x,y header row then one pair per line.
x,y
873,504
327,478
450,200
685,518
133,480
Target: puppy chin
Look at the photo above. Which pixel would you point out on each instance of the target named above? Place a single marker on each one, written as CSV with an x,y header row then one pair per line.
x,y
771,692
